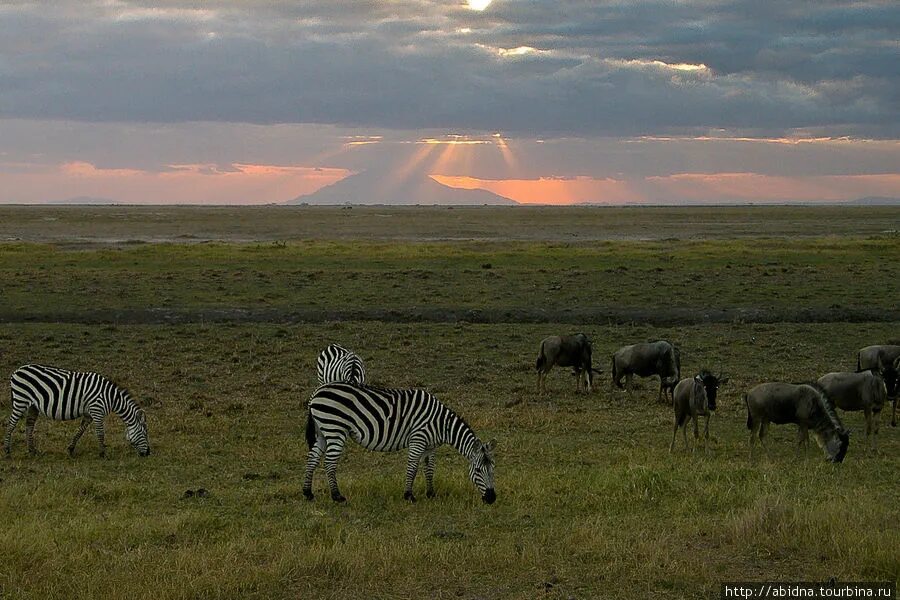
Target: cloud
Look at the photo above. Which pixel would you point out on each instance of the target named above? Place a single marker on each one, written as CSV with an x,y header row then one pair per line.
x,y
184,184
538,68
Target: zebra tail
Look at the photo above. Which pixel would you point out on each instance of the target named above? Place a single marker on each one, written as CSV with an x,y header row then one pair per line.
x,y
310,431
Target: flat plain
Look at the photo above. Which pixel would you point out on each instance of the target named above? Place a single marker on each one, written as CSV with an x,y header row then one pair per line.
x,y
213,317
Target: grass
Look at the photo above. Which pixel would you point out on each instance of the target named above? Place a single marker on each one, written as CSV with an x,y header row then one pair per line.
x,y
590,501
588,492
817,273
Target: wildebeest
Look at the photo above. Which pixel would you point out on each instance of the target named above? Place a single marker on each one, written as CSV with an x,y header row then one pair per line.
x,y
693,397
654,358
864,391
566,351
885,358
804,404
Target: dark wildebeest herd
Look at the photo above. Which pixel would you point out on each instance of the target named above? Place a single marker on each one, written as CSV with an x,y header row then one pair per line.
x,y
810,405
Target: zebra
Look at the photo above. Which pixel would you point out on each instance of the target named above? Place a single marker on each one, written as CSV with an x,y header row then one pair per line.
x,y
64,395
336,363
388,420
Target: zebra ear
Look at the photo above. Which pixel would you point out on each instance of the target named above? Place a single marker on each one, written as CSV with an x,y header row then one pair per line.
x,y
490,445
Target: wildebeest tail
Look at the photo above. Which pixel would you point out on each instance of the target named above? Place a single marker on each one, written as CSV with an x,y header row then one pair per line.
x,y
749,416
858,363
310,431
615,374
541,360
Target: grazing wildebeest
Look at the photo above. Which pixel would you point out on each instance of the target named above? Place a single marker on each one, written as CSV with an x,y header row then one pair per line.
x,y
864,391
566,351
693,397
885,358
653,358
804,404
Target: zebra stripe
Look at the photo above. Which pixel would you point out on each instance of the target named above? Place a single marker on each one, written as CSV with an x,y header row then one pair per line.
x,y
388,420
64,395
336,363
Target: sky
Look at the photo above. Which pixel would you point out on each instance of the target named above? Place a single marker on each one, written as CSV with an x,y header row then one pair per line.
x,y
542,101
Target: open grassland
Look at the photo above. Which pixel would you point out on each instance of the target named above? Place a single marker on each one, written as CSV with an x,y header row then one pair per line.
x,y
547,281
590,502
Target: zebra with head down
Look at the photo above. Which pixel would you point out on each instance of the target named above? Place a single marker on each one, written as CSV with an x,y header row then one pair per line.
x,y
388,420
64,395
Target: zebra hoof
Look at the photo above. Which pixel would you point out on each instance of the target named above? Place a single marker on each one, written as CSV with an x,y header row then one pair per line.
x,y
338,498
308,495
409,496
430,494
71,450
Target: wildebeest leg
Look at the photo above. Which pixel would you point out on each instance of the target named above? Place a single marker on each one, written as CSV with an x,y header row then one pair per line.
x,y
85,422
628,383
763,429
706,433
802,438
30,419
696,431
871,429
894,412
674,435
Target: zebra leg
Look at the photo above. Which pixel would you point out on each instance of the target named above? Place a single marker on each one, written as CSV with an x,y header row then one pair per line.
x,y
85,421
429,475
17,413
30,419
417,451
312,462
334,447
101,436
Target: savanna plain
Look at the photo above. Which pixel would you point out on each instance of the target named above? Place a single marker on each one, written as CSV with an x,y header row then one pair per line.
x,y
213,318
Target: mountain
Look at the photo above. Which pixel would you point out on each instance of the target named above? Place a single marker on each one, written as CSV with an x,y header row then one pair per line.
x,y
84,200
372,187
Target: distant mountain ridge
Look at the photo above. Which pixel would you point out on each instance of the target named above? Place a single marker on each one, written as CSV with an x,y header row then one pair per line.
x,y
370,187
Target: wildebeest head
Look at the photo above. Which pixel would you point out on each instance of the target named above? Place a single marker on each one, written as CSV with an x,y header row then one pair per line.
x,y
837,446
891,376
711,384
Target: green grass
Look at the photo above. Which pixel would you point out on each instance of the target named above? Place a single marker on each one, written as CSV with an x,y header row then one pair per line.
x,y
589,495
816,273
590,501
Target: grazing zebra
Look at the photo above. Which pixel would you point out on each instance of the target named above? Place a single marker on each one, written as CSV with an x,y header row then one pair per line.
x,y
64,395
336,364
389,420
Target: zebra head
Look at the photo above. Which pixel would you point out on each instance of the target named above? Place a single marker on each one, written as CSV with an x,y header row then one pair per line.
x,y
481,470
136,434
